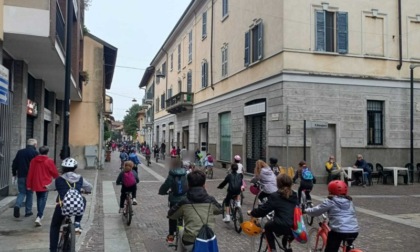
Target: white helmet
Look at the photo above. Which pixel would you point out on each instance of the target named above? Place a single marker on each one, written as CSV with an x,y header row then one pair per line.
x,y
69,163
237,158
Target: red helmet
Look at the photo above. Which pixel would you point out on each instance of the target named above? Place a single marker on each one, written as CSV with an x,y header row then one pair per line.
x,y
337,187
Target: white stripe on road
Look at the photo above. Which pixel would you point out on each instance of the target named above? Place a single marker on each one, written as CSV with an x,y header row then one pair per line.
x,y
153,173
408,222
115,236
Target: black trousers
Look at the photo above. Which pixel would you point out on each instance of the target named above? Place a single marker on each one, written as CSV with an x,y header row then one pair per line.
x,y
334,240
272,228
132,189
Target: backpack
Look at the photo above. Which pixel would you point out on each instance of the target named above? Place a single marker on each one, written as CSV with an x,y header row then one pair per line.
x,y
206,240
129,179
307,174
180,185
133,157
72,203
123,156
299,229
209,159
147,151
235,183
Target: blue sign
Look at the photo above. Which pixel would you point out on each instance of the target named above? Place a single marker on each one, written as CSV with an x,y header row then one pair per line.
x,y
4,85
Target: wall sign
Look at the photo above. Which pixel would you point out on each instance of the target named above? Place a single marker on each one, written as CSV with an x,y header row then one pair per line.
x,y
4,85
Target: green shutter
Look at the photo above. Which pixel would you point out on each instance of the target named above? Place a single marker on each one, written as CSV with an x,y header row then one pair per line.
x,y
260,41
247,51
342,32
320,31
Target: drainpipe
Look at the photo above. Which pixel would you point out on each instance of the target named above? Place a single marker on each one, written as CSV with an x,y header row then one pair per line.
x,y
400,34
211,45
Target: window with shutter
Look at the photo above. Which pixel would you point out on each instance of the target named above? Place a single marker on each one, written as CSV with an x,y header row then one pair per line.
x,y
190,47
320,31
260,41
204,26
204,74
247,43
225,8
189,81
342,32
331,31
254,43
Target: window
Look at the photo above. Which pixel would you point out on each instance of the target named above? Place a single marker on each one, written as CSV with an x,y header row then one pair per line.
x,y
162,101
331,31
204,73
375,122
157,78
204,25
179,57
254,43
189,81
225,136
179,85
170,92
172,61
157,104
225,9
190,47
224,60
164,69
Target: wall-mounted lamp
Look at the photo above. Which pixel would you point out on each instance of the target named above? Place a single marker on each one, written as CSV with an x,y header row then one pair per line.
x,y
159,74
134,100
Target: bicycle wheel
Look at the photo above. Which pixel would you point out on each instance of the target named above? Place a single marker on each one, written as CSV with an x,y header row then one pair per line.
x,y
129,212
263,246
237,219
315,242
309,219
63,240
72,239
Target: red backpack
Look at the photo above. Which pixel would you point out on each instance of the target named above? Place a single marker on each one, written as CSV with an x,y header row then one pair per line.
x,y
129,179
147,151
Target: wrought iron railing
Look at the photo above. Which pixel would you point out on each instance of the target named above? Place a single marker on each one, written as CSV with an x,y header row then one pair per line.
x,y
180,99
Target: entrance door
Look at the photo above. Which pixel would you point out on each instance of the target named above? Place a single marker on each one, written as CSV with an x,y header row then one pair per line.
x,y
323,145
185,137
255,140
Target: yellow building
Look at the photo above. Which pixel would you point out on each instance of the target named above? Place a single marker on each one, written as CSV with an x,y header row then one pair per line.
x,y
87,116
242,77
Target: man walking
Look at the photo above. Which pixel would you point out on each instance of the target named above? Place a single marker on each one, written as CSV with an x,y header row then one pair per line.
x,y
20,167
42,170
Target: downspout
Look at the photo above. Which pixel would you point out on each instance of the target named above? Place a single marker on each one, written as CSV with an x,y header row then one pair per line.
x,y
211,45
400,34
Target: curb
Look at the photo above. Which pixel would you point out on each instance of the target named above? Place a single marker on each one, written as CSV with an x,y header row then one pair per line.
x,y
7,203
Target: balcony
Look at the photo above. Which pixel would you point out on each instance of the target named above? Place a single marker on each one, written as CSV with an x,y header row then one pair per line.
x,y
180,102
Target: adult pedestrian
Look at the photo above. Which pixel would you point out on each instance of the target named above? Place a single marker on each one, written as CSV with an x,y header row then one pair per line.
x,y
20,167
361,163
42,170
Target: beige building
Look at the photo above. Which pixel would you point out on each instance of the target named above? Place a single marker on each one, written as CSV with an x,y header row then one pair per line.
x,y
242,77
88,116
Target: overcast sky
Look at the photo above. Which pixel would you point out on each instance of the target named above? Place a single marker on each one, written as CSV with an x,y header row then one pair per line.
x,y
138,29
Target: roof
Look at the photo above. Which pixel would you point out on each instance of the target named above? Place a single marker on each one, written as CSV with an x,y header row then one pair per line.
x,y
110,58
146,77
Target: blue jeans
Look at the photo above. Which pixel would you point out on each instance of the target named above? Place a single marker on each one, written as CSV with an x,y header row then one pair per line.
x,y
41,201
22,194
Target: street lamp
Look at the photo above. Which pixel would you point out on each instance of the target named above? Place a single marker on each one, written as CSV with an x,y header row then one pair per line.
x,y
412,66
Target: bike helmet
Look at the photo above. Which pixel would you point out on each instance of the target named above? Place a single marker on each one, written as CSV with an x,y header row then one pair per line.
x,y
250,228
69,163
254,189
337,187
273,160
237,158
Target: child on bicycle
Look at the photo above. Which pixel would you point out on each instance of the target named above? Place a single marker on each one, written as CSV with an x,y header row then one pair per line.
x,y
265,176
306,180
148,154
62,184
128,179
283,202
135,159
234,180
208,161
274,166
176,185
237,160
197,206
341,216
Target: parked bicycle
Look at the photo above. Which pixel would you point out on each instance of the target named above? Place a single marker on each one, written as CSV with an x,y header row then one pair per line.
x,y
67,241
235,214
128,213
317,238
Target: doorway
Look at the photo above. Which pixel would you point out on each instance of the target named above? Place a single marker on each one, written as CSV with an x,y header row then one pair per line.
x,y
185,137
323,145
255,140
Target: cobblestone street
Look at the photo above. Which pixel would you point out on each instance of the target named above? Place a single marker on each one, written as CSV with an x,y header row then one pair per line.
x,y
388,217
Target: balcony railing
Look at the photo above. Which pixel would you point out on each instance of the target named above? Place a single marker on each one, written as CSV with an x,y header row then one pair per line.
x,y
180,102
60,28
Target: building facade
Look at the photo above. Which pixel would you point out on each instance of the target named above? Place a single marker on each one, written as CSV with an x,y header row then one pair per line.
x,y
88,116
33,52
241,77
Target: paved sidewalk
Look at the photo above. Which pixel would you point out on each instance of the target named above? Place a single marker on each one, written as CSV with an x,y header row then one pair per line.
x,y
20,234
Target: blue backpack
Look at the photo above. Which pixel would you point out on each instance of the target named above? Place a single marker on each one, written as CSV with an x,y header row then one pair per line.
x,y
307,174
206,240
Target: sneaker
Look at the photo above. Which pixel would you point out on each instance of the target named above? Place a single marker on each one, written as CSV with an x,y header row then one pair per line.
x,y
134,201
170,239
29,214
16,212
77,228
226,219
38,222
238,204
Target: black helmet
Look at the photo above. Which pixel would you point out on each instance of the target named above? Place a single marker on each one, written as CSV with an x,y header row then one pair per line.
x,y
273,160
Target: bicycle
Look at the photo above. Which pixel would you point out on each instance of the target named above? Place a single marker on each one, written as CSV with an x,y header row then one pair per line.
x,y
178,234
67,241
317,238
209,172
284,245
157,156
148,160
128,213
306,204
235,214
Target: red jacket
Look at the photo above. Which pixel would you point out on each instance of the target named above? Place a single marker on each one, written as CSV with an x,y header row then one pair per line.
x,y
41,172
